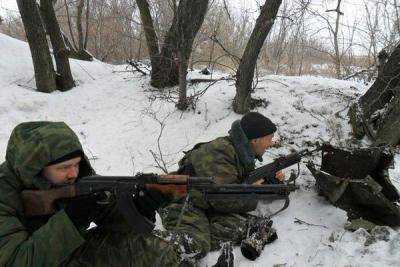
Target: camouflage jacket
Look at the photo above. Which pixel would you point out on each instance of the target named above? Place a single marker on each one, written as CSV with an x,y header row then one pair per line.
x,y
229,159
40,241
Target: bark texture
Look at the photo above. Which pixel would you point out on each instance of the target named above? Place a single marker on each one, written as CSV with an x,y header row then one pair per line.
x,y
177,43
377,113
245,71
64,77
36,36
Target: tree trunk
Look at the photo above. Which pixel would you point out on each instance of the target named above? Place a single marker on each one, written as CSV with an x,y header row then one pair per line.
x,y
166,71
377,113
190,17
183,101
185,25
336,41
79,10
150,34
64,77
36,36
245,71
73,49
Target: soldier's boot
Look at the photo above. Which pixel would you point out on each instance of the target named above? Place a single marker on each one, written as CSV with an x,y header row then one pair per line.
x,y
260,233
226,257
182,244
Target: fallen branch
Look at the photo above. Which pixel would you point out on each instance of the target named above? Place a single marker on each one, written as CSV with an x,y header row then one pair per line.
x,y
284,84
298,221
136,66
369,69
194,81
26,86
120,71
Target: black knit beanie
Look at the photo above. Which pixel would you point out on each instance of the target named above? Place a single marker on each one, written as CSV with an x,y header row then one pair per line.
x,y
76,153
256,125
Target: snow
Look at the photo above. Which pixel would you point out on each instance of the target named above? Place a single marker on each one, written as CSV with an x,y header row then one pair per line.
x,y
118,118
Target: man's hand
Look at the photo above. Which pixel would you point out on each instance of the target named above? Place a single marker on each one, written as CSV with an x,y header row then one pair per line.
x,y
149,200
258,182
280,176
85,209
139,209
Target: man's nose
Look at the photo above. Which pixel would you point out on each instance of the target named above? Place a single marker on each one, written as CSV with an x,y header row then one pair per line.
x,y
73,172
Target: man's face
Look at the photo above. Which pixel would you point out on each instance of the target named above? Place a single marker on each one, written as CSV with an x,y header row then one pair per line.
x,y
63,172
261,144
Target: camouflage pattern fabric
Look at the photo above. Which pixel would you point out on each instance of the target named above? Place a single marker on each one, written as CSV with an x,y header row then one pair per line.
x,y
113,243
192,222
219,159
229,159
228,228
206,232
54,240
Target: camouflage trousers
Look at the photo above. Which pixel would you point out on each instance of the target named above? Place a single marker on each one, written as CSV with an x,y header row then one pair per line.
x,y
207,231
113,243
108,248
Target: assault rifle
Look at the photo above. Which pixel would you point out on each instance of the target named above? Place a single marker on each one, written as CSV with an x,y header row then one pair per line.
x,y
268,171
43,202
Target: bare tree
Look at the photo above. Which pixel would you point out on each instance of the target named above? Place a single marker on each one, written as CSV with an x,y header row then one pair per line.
x,y
335,33
281,44
35,33
64,77
245,71
82,38
187,20
190,15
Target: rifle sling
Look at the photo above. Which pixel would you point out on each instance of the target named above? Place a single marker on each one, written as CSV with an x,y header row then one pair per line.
x,y
287,202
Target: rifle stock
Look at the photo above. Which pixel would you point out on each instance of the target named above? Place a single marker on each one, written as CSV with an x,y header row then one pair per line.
x,y
42,202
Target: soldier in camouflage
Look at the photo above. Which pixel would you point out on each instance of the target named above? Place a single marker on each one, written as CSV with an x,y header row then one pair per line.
x,y
229,159
41,155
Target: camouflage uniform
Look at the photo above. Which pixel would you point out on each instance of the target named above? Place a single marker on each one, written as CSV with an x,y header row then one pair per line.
x,y
229,159
54,240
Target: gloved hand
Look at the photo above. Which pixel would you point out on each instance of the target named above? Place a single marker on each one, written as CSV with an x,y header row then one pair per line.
x,y
85,209
149,200
139,208
260,233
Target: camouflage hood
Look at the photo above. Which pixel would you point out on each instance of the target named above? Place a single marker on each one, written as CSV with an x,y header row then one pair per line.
x,y
33,145
242,146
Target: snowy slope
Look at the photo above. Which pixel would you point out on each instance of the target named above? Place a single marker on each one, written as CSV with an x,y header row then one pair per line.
x,y
119,120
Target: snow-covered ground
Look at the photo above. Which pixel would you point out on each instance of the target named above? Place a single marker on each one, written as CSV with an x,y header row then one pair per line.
x,y
119,121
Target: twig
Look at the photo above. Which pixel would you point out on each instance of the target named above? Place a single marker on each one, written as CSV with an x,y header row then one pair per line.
x,y
86,71
275,82
159,156
298,221
25,86
227,10
234,57
135,65
120,71
369,69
